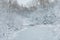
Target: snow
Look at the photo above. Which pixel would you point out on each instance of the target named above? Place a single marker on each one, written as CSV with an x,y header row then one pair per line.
x,y
15,22
39,32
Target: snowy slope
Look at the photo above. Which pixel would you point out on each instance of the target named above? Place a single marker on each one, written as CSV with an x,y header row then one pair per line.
x,y
13,20
40,32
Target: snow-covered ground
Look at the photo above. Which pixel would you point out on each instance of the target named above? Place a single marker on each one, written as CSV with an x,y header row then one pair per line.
x,y
39,32
40,23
